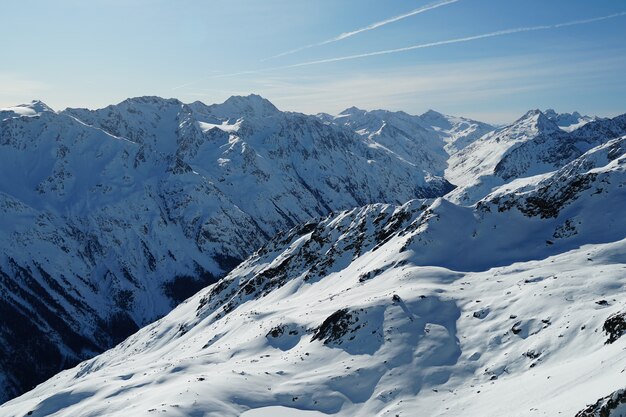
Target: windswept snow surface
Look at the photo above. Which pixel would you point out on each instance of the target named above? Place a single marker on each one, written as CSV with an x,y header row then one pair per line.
x,y
428,308
281,412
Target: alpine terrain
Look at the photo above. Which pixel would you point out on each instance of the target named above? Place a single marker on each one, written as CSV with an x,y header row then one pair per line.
x,y
511,304
370,263
313,208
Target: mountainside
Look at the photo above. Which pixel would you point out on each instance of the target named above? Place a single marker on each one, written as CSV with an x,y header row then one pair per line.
x,y
457,132
281,167
533,145
431,133
112,217
511,306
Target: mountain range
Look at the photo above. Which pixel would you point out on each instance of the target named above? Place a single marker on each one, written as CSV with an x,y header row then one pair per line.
x,y
112,217
392,264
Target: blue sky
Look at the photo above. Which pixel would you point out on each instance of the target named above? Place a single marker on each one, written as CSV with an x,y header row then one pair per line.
x,y
76,53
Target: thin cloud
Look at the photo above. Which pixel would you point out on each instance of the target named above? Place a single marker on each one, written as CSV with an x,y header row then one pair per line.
x,y
410,48
456,40
483,85
373,26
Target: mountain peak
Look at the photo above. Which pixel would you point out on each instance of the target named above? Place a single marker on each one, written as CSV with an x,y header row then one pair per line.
x,y
533,113
352,111
432,114
151,100
252,104
552,114
568,121
39,106
31,109
538,119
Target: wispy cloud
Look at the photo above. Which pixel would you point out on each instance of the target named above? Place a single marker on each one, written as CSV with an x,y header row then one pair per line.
x,y
457,40
407,48
373,26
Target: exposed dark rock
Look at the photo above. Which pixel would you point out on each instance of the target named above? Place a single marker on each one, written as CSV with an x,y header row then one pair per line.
x,y
481,314
366,276
335,327
276,332
531,354
548,201
605,406
615,327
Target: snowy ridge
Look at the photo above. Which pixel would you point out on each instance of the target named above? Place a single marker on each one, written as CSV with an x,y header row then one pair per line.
x,y
509,307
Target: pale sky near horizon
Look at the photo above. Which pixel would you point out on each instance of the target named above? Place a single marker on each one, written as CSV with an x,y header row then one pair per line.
x,y
487,59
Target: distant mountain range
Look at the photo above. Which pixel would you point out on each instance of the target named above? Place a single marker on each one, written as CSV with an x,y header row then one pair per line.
x,y
373,240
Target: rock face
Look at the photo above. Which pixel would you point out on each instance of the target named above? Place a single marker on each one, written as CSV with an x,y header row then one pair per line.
x,y
613,405
111,217
615,327
425,308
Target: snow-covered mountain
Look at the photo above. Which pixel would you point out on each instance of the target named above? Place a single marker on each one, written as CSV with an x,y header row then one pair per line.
x,y
111,217
512,306
457,132
431,133
569,121
532,145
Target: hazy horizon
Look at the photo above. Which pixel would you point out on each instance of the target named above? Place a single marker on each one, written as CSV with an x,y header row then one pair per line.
x,y
495,123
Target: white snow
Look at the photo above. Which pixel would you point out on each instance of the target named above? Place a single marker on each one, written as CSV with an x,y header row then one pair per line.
x,y
281,412
32,109
225,127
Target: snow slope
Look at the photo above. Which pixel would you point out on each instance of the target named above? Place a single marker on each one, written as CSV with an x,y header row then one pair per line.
x,y
513,306
109,218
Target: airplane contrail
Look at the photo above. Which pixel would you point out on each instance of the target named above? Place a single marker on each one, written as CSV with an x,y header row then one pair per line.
x,y
413,47
456,40
373,26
